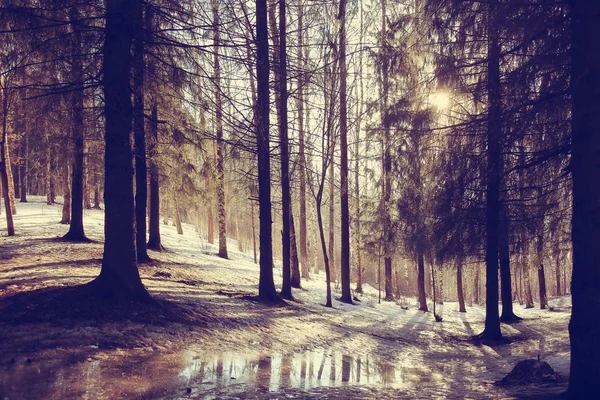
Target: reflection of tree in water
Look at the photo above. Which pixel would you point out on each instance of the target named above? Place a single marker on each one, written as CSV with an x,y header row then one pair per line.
x,y
219,371
358,365
263,374
346,368
387,373
332,370
285,371
303,376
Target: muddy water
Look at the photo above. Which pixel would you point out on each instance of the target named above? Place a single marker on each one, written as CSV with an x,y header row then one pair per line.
x,y
190,374
311,369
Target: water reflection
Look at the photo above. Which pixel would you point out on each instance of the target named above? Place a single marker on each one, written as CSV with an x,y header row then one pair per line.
x,y
311,369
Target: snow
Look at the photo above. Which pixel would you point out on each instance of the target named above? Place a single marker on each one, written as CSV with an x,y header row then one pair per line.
x,y
233,340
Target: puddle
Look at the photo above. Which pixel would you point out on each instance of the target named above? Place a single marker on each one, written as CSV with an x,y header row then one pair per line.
x,y
311,369
190,374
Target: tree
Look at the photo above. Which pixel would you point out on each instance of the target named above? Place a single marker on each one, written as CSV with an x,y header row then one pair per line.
x,y
119,277
584,328
139,134
345,225
286,287
266,285
76,231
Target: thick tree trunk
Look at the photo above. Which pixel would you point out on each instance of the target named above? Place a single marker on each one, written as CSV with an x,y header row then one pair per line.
x,y
76,232
584,328
492,317
266,285
139,134
286,288
119,277
459,288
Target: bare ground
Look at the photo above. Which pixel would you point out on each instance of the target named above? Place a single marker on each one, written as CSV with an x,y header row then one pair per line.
x,y
206,338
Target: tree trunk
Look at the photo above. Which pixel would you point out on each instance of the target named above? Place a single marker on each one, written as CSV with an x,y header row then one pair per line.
x,y
301,144
139,134
176,217
344,206
219,134
24,167
76,232
508,314
476,285
9,174
5,166
266,285
494,132
542,284
119,277
459,288
294,261
154,242
421,280
66,210
357,236
331,222
526,277
286,288
557,273
584,328
387,165
253,231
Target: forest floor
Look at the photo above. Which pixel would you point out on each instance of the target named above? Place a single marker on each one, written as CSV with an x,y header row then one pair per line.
x,y
207,338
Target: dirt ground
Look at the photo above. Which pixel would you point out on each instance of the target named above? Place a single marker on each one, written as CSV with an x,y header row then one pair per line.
x,y
207,338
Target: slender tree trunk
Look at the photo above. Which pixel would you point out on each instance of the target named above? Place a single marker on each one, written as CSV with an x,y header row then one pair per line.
x,y
542,284
294,260
253,231
421,280
476,285
9,174
154,242
508,314
331,222
324,248
526,277
286,288
459,288
5,166
76,232
24,166
345,207
266,285
66,210
48,169
119,277
220,188
492,317
557,272
301,143
357,234
176,216
139,134
387,166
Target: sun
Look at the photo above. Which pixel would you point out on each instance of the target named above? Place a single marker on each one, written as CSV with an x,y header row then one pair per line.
x,y
440,99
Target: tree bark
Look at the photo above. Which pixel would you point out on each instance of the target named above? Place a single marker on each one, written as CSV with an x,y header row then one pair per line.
x,y
508,314
459,288
492,317
139,134
66,210
5,166
345,208
266,285
301,144
24,166
220,188
421,280
76,232
154,242
119,277
294,260
286,288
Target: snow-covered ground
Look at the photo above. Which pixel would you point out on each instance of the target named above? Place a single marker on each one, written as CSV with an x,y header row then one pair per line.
x,y
231,346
